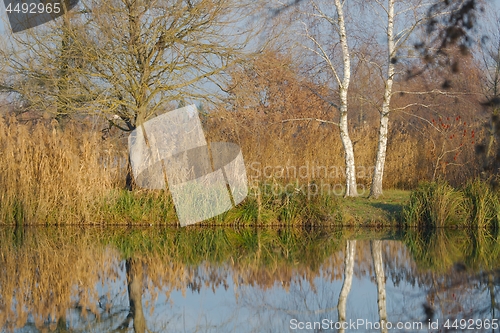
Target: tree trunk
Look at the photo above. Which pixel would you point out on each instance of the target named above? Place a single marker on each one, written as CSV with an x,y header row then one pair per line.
x,y
378,264
63,80
350,254
378,174
492,134
129,178
350,166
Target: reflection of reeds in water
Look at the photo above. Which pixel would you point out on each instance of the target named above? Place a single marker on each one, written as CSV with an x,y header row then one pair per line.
x,y
443,249
435,249
42,272
45,272
459,269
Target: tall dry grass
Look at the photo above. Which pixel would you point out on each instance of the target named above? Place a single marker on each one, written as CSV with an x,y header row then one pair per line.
x,y
53,176
308,151
285,119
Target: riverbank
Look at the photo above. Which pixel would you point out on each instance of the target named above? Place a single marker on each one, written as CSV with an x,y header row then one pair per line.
x,y
431,205
72,176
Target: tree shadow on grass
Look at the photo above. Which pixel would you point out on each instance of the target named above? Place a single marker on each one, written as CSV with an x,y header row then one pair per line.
x,y
392,209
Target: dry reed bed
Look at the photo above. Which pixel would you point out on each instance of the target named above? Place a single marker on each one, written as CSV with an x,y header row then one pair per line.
x,y
50,175
53,176
306,151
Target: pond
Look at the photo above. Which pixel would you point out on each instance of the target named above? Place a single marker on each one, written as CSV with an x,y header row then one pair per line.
x,y
248,280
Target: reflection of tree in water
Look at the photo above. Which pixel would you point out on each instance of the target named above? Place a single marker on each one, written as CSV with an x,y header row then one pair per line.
x,y
350,254
134,287
60,270
378,265
70,279
459,295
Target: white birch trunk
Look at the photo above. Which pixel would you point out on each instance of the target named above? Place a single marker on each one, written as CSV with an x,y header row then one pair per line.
x,y
350,172
378,264
350,254
378,174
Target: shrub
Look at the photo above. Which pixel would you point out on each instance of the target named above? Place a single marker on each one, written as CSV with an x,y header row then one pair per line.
x,y
435,204
482,203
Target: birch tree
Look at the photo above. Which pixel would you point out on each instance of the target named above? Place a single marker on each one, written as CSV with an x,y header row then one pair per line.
x,y
341,74
395,43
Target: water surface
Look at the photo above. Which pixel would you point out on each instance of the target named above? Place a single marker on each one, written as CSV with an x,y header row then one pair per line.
x,y
247,280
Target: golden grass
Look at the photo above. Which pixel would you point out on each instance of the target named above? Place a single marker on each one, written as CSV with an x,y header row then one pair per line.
x,y
278,150
49,175
53,175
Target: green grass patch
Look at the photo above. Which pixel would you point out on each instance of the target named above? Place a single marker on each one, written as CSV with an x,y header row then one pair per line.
x,y
383,211
435,205
138,207
264,208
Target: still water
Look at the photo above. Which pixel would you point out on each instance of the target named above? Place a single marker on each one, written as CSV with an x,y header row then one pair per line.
x,y
248,280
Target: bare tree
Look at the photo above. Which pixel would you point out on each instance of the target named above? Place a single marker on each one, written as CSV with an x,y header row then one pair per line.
x,y
396,41
490,54
129,58
35,66
341,74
